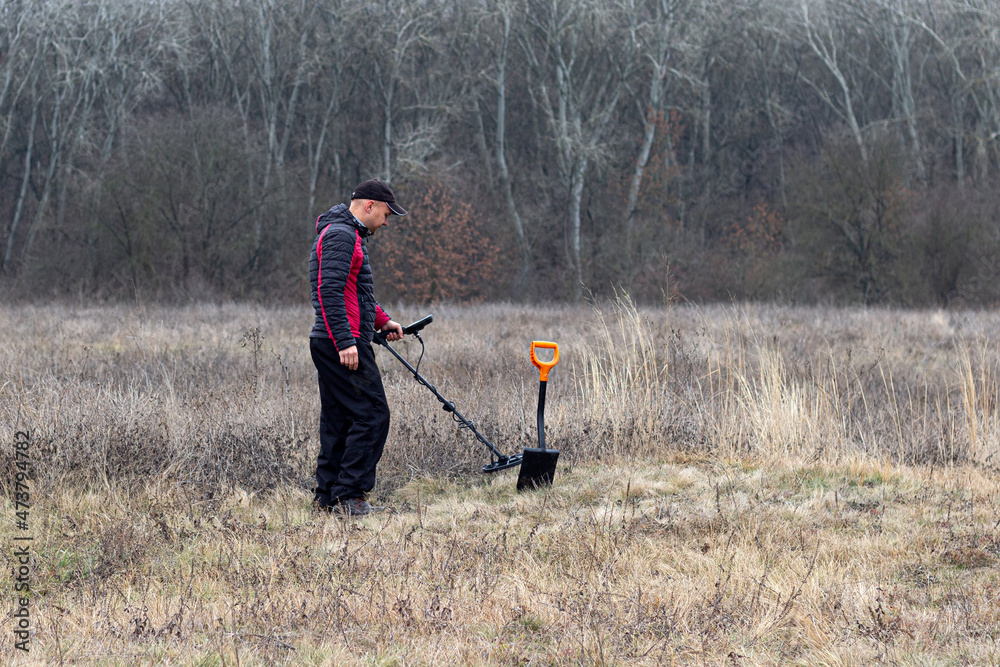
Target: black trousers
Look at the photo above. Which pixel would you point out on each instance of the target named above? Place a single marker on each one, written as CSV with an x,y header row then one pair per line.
x,y
353,423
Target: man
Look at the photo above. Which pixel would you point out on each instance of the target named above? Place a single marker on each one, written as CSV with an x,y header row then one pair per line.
x,y
354,421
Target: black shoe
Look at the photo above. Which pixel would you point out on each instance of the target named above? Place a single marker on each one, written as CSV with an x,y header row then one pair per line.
x,y
355,507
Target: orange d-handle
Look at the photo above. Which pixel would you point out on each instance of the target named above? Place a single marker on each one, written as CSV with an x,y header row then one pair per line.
x,y
544,366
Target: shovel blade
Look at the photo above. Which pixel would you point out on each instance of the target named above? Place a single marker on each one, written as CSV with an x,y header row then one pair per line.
x,y
538,467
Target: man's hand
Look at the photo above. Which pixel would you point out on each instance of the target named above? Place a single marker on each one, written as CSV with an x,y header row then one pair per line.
x,y
349,357
394,329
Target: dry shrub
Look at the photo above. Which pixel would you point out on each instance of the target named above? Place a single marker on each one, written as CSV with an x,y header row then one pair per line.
x,y
437,252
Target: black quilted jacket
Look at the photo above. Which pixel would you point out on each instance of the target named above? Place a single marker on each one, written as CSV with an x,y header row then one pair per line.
x,y
343,293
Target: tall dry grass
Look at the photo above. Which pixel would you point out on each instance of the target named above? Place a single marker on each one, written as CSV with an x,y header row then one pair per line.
x,y
751,485
807,384
217,396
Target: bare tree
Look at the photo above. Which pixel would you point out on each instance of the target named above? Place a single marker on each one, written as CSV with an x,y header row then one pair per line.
x,y
943,22
559,105
698,52
825,35
495,31
19,56
890,21
577,89
327,89
400,26
980,23
768,42
659,33
26,176
263,46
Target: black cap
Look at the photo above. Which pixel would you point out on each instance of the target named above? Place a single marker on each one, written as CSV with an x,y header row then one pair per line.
x,y
378,191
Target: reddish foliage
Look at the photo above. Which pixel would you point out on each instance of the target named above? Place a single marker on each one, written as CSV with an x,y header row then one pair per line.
x,y
662,167
760,233
437,252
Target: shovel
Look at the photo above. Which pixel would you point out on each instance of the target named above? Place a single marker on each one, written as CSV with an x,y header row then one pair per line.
x,y
538,466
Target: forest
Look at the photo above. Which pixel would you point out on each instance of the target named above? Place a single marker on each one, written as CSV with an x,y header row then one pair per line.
x,y
803,151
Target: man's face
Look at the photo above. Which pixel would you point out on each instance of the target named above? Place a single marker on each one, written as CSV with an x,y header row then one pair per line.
x,y
377,214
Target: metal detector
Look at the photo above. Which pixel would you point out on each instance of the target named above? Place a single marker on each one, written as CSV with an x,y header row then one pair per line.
x,y
497,460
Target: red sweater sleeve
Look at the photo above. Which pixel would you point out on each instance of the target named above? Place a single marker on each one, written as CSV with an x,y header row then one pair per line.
x,y
381,319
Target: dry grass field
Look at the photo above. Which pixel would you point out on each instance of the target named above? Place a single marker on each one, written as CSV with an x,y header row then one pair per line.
x,y
741,485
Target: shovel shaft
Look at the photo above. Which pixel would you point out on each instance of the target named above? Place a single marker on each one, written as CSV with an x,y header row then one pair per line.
x,y
541,414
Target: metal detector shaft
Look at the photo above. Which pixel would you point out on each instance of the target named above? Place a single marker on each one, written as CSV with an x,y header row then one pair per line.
x,y
501,462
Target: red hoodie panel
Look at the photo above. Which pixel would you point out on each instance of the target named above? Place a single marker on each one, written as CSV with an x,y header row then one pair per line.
x,y
351,289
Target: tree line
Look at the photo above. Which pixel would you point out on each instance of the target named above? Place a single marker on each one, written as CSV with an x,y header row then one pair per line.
x,y
807,150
